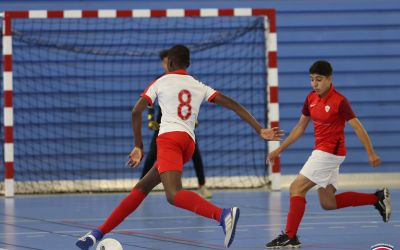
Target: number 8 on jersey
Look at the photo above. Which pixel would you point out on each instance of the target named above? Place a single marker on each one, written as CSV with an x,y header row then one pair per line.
x,y
184,108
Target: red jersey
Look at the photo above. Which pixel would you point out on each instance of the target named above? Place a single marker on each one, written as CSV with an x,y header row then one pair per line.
x,y
329,115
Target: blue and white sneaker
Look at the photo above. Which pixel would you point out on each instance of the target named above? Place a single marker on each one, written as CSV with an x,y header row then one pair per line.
x,y
90,239
229,219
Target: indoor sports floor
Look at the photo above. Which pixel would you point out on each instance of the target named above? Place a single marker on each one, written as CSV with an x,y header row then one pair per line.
x,y
54,222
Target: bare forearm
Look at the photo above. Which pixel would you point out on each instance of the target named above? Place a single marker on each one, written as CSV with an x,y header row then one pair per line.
x,y
137,128
247,117
295,134
362,135
365,140
231,104
137,121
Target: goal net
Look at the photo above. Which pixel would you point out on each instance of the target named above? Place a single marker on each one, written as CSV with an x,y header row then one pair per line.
x,y
77,74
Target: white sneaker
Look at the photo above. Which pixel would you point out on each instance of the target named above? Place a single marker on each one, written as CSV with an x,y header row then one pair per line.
x,y
204,192
229,219
383,205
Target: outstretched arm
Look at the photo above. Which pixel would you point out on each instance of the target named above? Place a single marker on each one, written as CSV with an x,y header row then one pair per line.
x,y
362,134
137,153
229,103
296,132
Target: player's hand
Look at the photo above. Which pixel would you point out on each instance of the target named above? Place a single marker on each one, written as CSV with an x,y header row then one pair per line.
x,y
135,157
153,125
374,160
272,134
272,156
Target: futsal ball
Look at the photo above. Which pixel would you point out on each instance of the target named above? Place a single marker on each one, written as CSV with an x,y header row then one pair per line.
x,y
109,244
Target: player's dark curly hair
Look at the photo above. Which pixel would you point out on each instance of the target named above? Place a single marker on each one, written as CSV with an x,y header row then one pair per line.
x,y
163,54
322,68
179,55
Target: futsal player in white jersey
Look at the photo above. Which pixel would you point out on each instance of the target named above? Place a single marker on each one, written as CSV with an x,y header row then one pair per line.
x,y
179,96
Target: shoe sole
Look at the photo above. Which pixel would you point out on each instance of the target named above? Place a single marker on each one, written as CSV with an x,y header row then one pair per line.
x,y
230,238
388,206
280,247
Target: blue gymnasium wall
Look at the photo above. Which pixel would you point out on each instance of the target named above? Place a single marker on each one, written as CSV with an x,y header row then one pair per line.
x,y
361,38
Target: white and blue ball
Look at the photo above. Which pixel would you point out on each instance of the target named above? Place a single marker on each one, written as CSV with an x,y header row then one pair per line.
x,y
109,244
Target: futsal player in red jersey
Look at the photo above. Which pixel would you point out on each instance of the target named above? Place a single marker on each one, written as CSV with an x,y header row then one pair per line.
x,y
328,110
179,96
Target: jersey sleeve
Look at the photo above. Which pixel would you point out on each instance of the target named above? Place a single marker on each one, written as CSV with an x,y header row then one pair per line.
x,y
306,110
345,110
210,93
150,93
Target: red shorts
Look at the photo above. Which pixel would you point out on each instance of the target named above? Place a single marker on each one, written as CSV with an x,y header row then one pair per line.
x,y
173,150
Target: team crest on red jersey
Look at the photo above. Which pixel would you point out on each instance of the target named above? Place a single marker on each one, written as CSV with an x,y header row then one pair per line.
x,y
327,108
381,246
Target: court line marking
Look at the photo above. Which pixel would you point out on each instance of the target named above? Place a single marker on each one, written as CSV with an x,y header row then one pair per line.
x,y
206,231
310,215
214,228
259,225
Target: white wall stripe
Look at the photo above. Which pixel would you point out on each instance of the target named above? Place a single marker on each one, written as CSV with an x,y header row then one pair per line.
x,y
273,114
8,152
208,12
175,12
7,45
272,42
8,116
141,13
7,81
242,12
272,77
38,14
107,13
72,14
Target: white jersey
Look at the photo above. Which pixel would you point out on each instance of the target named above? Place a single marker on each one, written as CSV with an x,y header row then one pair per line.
x,y
179,96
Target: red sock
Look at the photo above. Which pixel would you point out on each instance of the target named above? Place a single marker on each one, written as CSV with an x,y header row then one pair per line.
x,y
193,202
125,208
295,214
354,199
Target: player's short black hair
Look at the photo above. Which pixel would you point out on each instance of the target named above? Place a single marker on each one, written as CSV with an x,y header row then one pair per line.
x,y
163,54
179,55
322,68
